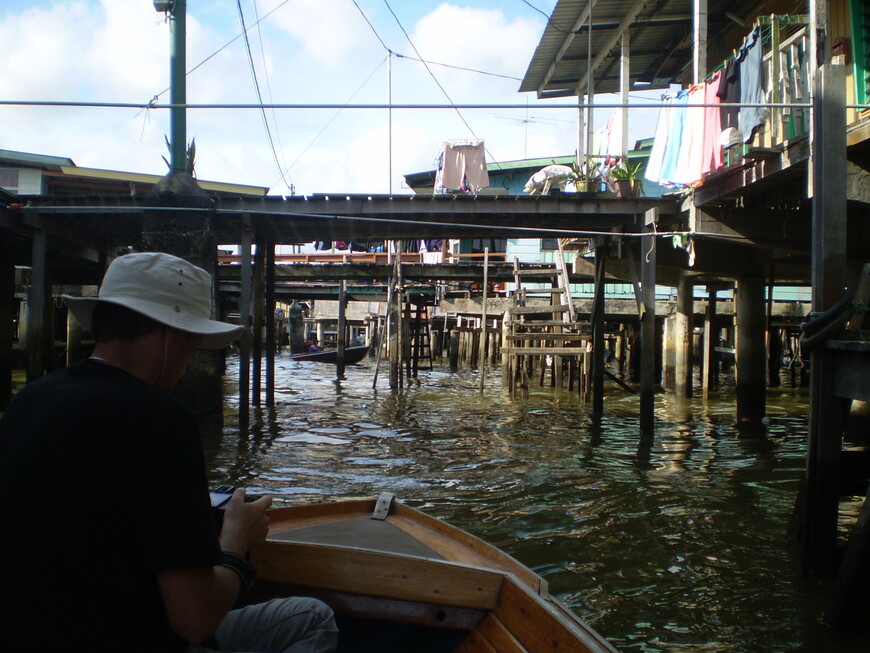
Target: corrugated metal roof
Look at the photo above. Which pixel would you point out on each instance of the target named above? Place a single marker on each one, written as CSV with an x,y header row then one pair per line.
x,y
660,37
25,159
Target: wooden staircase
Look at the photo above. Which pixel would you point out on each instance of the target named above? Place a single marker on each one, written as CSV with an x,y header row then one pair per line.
x,y
542,323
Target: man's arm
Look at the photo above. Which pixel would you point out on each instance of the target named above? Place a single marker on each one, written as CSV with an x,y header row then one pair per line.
x,y
197,599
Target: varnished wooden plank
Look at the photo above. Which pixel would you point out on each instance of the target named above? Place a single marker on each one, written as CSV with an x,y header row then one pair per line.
x,y
543,627
498,635
476,643
542,309
431,615
549,336
459,546
377,574
540,351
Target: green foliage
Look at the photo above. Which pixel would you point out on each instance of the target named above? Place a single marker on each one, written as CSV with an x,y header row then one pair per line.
x,y
627,170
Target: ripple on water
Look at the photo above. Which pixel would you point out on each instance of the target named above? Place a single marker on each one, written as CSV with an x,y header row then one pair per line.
x,y
674,546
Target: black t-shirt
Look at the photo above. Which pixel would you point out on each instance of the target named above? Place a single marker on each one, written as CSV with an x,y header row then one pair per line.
x,y
102,485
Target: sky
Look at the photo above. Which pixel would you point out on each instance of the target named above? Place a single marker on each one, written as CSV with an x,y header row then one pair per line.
x,y
301,52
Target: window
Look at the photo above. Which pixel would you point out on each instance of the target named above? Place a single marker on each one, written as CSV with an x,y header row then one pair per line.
x,y
9,179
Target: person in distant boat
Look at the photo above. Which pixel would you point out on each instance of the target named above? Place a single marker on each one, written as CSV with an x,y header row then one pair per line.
x,y
109,539
313,346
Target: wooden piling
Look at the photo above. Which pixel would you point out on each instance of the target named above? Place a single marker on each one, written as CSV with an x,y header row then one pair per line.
x,y
711,339
342,330
8,303
39,299
270,323
259,302
750,352
683,328
648,326
481,361
245,318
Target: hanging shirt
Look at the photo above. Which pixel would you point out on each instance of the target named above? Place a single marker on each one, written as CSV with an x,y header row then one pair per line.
x,y
675,138
711,153
688,169
729,93
654,165
752,86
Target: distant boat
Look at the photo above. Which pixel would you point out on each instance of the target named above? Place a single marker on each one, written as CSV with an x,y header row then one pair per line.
x,y
400,580
351,355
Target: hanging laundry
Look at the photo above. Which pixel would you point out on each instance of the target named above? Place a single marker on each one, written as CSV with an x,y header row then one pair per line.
x,y
729,93
675,139
431,251
711,154
688,169
462,163
660,140
752,86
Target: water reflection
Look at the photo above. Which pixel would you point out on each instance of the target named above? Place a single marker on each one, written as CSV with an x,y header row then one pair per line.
x,y
674,544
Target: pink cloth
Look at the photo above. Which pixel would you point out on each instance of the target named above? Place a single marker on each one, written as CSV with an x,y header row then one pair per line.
x,y
711,155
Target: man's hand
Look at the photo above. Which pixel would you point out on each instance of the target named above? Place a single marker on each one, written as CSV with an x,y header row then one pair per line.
x,y
245,524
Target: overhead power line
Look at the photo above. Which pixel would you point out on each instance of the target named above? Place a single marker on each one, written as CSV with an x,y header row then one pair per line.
x,y
259,95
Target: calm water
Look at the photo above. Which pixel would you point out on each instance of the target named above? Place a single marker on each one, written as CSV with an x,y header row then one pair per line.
x,y
680,546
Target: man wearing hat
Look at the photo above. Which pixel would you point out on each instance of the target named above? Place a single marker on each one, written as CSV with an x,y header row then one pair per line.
x,y
109,539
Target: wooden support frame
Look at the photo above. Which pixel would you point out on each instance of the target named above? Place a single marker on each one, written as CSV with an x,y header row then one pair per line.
x,y
245,318
648,326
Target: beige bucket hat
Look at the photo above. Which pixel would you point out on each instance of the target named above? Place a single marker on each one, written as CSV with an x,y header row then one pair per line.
x,y
165,288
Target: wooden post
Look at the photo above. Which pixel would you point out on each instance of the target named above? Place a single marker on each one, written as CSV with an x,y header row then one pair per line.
x,y
245,317
711,339
454,348
598,328
393,319
384,333
342,329
648,327
505,343
7,319
828,272
699,45
481,360
270,323
624,88
683,328
257,329
750,352
38,326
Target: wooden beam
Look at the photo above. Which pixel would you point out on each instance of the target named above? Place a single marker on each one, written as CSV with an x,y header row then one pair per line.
x,y
648,327
566,43
624,26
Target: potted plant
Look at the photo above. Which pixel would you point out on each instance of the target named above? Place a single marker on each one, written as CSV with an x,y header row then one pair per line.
x,y
587,177
626,176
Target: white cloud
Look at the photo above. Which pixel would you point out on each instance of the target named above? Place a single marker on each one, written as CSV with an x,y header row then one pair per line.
x,y
312,52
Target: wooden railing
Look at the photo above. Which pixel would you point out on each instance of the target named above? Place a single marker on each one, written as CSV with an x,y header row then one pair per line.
x,y
383,258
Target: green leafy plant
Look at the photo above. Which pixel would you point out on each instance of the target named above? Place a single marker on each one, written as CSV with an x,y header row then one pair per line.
x,y
189,156
627,170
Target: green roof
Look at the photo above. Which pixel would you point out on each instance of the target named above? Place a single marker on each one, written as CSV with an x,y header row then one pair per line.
x,y
10,157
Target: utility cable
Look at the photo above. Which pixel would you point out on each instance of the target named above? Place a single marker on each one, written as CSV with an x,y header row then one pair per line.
x,y
220,49
269,86
259,94
334,116
366,19
429,70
